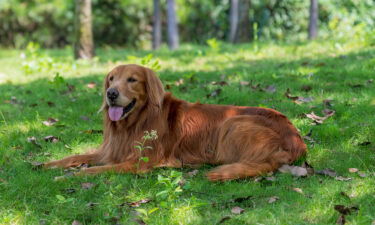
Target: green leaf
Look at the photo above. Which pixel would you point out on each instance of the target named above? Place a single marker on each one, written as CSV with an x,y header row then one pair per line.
x,y
60,198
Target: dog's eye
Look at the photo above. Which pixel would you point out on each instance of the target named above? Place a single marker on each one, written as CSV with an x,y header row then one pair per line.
x,y
111,78
131,79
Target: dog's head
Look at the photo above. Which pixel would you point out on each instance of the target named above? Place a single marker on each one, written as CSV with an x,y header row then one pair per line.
x,y
129,88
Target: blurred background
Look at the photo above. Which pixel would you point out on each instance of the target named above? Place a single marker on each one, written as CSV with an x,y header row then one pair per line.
x,y
149,24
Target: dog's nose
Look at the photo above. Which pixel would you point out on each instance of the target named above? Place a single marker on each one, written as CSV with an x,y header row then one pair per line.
x,y
112,93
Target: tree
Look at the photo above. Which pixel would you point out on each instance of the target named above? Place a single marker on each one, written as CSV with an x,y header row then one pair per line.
x,y
84,43
239,21
156,26
172,25
313,20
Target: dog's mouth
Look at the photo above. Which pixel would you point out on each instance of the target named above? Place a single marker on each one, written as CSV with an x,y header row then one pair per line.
x,y
117,113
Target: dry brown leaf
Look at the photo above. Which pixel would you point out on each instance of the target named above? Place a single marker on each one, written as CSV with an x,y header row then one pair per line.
x,y
341,178
220,83
353,170
193,173
273,199
270,89
51,138
87,185
76,222
50,121
91,85
294,170
362,174
215,93
299,190
138,203
237,210
327,172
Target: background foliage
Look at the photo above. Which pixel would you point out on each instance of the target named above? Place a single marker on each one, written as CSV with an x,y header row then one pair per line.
x,y
128,22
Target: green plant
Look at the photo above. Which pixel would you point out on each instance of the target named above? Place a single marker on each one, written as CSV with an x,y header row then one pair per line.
x,y
171,187
141,145
214,44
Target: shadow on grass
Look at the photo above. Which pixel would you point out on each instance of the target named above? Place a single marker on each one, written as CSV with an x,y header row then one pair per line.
x,y
342,79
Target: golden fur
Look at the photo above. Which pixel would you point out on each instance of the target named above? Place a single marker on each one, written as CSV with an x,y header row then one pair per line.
x,y
244,141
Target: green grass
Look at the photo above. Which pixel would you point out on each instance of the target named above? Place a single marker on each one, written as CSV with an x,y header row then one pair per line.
x,y
341,72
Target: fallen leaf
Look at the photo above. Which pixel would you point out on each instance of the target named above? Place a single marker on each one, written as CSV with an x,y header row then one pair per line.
x,y
33,141
308,137
319,119
341,220
273,199
225,218
215,93
87,185
37,165
51,138
308,167
50,121
294,170
168,87
193,173
327,172
298,99
179,82
70,190
362,174
76,222
348,196
345,210
138,203
220,83
271,178
353,170
91,85
91,205
237,210
270,89
244,83
341,178
299,190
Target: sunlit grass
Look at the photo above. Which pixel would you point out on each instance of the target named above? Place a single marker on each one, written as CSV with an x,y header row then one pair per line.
x,y
338,71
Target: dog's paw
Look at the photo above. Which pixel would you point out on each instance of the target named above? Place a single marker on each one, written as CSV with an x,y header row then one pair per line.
x,y
219,176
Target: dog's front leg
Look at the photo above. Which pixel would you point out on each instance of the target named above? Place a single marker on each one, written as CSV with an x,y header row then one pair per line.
x,y
73,161
126,167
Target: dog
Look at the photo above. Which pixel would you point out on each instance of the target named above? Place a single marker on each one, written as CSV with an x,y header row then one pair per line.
x,y
242,141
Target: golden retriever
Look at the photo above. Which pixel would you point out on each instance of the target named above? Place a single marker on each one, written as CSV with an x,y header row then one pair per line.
x,y
244,141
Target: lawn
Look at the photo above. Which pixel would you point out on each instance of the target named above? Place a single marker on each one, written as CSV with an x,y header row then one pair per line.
x,y
39,87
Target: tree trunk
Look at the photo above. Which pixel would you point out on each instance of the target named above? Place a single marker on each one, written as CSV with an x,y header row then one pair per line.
x,y
313,21
84,43
172,25
239,21
233,20
156,27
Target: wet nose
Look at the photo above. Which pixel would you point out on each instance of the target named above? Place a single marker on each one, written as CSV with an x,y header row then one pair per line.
x,y
112,93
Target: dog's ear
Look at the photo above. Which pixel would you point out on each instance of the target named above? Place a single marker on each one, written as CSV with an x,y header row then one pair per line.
x,y
106,86
154,88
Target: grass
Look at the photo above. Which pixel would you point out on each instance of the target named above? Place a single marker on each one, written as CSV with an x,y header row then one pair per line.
x,y
341,72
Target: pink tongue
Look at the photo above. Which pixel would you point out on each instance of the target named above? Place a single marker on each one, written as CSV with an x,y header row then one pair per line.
x,y
115,113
